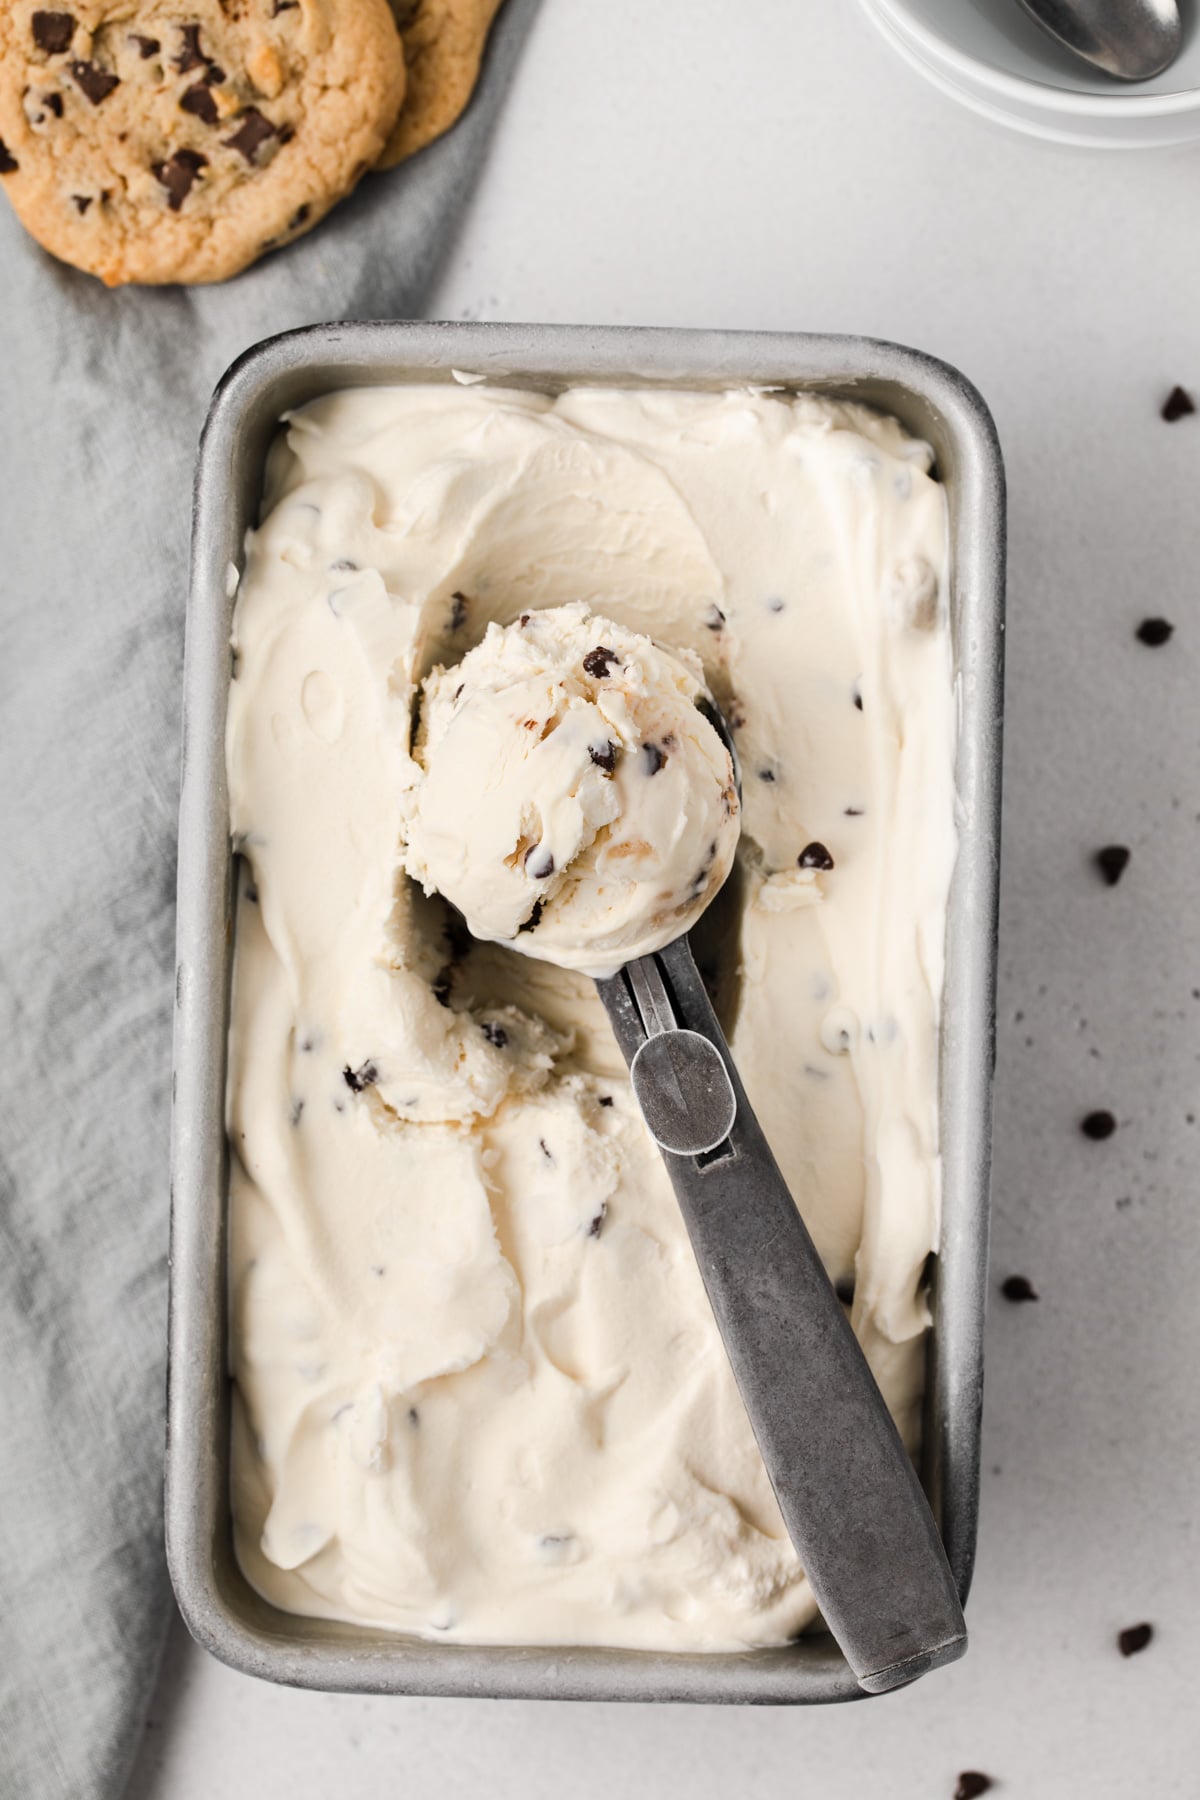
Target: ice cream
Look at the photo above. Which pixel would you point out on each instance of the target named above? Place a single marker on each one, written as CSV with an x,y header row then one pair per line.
x,y
576,802
479,1394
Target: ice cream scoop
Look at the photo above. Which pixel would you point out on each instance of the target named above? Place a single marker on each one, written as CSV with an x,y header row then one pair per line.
x,y
576,801
544,815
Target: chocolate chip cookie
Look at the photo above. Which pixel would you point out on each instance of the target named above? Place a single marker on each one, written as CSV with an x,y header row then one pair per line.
x,y
443,44
151,142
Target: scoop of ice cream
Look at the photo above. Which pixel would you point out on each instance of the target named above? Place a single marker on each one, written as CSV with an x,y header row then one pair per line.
x,y
575,802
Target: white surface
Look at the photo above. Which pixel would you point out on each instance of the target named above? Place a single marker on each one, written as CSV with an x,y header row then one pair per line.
x,y
776,166
990,56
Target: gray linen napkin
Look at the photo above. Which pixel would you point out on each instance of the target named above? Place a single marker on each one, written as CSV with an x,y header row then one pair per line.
x,y
102,401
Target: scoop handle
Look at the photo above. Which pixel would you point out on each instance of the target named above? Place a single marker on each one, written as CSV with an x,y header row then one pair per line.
x,y
849,1495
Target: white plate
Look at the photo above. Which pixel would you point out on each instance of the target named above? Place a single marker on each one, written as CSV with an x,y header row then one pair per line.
x,y
989,56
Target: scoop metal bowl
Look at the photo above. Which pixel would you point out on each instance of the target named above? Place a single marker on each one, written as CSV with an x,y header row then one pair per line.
x,y
1131,39
847,1490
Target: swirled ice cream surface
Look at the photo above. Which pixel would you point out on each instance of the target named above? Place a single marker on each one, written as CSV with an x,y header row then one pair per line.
x,y
479,1394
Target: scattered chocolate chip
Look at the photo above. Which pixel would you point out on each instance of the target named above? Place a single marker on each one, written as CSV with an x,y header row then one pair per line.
x,y
652,758
534,919
844,1289
1019,1287
53,31
458,612
191,56
1134,1638
1177,405
297,1111
199,101
254,131
358,1079
606,1100
815,856
597,1224
1098,1125
1154,632
775,604
82,202
147,46
214,75
299,217
715,619
856,696
544,1147
414,1418
459,689
971,1784
53,103
604,756
495,1034
343,566
767,775
599,661
178,174
524,620
539,863
1112,862
8,162
95,84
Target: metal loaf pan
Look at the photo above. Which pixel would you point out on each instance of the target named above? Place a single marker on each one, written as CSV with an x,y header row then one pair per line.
x,y
932,400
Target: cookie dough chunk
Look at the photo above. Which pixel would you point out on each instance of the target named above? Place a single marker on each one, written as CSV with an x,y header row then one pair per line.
x,y
443,44
151,142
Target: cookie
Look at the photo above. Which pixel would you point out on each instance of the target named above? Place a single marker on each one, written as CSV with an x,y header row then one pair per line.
x,y
443,44
145,141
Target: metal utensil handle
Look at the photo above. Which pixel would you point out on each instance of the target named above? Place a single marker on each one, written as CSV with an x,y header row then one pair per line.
x,y
849,1495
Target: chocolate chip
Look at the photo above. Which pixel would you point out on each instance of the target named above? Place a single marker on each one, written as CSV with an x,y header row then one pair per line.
x,y
767,775
604,756
297,1111
539,863
971,1784
495,1034
1019,1287
524,620
53,31
178,174
534,919
8,162
214,75
856,812
775,604
1177,405
1134,1638
358,1079
254,131
599,661
544,1147
199,100
815,856
1154,632
652,758
299,217
856,696
95,84
82,202
606,1100
147,46
53,103
414,1418
1112,862
1098,1125
191,56
597,1224
458,612
715,619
